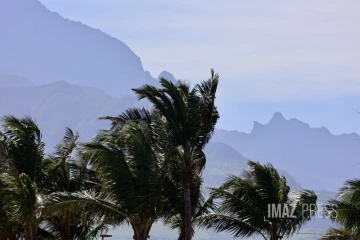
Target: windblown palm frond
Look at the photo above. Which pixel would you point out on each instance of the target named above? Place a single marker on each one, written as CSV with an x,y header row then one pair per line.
x,y
65,148
131,162
339,234
243,205
191,115
90,205
67,172
56,168
351,191
345,210
22,138
21,160
23,204
129,115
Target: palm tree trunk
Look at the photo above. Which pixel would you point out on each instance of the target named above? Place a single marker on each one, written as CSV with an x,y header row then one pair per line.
x,y
182,233
273,232
141,229
188,217
65,230
187,194
29,232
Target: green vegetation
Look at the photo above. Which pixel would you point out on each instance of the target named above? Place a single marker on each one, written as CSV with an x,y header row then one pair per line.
x,y
242,202
345,211
146,167
191,115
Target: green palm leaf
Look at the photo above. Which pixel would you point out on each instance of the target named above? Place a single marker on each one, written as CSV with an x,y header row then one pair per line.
x,y
243,205
191,115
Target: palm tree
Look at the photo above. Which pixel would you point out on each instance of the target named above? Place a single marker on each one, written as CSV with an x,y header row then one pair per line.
x,y
191,115
174,200
27,177
8,229
65,171
345,209
20,168
243,205
131,161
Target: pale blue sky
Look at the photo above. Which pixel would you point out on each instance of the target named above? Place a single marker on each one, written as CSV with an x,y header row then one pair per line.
x,y
293,54
237,38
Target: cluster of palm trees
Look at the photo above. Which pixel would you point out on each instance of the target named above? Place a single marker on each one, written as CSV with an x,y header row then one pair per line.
x,y
146,167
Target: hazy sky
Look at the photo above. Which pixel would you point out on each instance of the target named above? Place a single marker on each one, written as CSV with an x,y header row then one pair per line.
x,y
311,45
291,53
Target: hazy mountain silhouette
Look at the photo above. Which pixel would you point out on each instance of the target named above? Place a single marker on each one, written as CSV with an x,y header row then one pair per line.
x,y
64,58
167,75
45,47
57,105
60,104
223,160
313,156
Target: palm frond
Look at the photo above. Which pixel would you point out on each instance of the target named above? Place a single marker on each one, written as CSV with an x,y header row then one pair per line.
x,y
129,115
24,145
243,204
339,234
99,208
302,205
345,210
65,147
232,225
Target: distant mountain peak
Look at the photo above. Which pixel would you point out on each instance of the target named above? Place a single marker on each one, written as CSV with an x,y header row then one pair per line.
x,y
257,127
276,121
60,48
167,75
279,120
277,117
310,154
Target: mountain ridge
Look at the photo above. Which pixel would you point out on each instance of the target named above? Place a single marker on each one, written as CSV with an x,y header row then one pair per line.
x,y
45,47
223,160
58,105
278,118
314,156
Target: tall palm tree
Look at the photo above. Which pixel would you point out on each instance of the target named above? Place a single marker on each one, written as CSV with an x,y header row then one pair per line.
x,y
191,115
243,205
345,209
20,169
131,161
174,200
